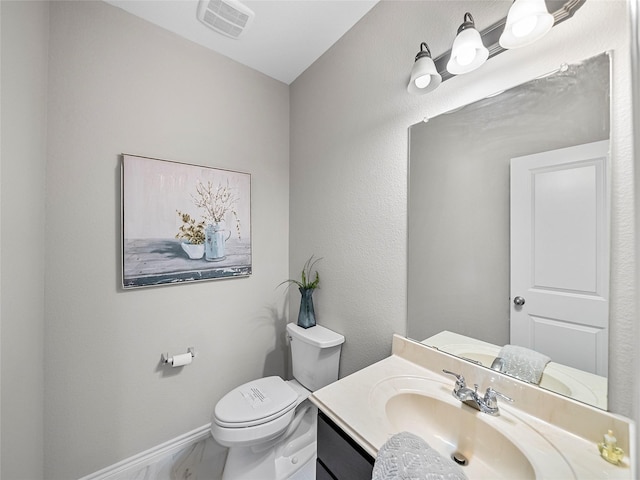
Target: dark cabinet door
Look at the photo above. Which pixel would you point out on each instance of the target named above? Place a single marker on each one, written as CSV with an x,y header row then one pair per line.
x,y
321,472
339,454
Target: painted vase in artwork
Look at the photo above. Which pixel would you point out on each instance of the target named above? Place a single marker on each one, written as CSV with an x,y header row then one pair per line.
x,y
214,244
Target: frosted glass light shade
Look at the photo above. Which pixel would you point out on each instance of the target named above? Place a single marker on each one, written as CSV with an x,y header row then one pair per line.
x,y
467,52
527,21
424,76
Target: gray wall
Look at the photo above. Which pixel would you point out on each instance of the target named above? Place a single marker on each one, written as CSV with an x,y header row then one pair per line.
x,y
350,114
118,84
25,27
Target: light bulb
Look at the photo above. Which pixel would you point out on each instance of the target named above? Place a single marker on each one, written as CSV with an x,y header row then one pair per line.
x,y
527,21
423,81
467,51
424,75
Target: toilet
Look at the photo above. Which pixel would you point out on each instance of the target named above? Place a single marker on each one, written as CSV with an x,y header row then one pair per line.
x,y
269,424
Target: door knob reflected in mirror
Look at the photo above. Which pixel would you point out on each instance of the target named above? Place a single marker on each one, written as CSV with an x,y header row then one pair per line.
x,y
518,301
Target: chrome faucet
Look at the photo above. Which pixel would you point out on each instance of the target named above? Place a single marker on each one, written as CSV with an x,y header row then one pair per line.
x,y
498,364
486,404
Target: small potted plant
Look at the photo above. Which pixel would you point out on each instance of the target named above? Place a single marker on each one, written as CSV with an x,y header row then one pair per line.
x,y
192,236
306,286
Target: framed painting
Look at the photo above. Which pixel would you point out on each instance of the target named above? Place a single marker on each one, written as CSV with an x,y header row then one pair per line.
x,y
183,223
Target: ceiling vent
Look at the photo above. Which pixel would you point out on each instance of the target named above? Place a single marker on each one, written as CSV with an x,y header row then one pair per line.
x,y
228,17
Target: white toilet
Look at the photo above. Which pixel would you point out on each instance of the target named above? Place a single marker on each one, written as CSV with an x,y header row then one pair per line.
x,y
268,424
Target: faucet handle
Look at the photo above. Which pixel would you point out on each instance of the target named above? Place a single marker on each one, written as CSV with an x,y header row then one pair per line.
x,y
497,364
490,398
460,382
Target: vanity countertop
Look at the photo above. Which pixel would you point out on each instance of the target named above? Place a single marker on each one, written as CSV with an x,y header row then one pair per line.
x,y
570,428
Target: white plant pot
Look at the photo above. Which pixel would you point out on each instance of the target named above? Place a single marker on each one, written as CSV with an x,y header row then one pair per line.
x,y
194,252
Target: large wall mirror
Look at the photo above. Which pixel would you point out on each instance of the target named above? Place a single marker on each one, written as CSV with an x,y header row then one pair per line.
x,y
508,248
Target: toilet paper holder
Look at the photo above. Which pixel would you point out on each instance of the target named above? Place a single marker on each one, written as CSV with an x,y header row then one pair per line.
x,y
166,359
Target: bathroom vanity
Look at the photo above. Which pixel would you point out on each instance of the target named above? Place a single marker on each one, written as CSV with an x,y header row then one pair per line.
x,y
541,435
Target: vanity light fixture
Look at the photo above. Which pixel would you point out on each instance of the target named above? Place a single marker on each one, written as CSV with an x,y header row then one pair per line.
x,y
527,21
424,75
492,41
468,52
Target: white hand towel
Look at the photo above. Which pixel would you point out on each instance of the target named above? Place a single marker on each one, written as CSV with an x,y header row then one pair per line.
x,y
523,363
406,456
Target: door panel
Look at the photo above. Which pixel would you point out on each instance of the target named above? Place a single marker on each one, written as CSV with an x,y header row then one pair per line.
x,y
556,336
560,254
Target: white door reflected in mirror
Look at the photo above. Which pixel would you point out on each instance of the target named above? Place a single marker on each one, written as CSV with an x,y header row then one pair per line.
x,y
559,255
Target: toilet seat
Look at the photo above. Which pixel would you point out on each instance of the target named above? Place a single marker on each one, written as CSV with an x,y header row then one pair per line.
x,y
255,402
257,410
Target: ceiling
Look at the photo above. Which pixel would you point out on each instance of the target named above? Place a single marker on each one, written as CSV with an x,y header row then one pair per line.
x,y
285,38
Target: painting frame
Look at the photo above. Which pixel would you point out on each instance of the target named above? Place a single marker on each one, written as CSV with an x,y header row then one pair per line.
x,y
183,223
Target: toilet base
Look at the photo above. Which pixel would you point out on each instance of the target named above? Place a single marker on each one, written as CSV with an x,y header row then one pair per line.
x,y
282,460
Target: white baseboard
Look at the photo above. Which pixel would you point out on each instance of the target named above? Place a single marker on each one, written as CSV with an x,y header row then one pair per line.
x,y
151,456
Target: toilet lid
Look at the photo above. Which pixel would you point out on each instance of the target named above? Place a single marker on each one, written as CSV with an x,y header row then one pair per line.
x,y
255,402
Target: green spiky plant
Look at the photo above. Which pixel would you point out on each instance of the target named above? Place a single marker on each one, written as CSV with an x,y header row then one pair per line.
x,y
306,282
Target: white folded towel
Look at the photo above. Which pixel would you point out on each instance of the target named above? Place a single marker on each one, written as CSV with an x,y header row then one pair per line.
x,y
406,456
523,363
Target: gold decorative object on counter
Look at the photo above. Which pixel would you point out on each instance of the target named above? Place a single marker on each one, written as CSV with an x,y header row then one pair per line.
x,y
609,449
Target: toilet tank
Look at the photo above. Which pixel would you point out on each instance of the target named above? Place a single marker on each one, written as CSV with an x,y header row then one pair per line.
x,y
315,355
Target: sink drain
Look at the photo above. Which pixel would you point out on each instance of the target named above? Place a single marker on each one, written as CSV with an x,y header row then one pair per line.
x,y
459,458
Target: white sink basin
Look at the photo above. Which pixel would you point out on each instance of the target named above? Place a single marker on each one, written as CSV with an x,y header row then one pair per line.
x,y
495,447
454,430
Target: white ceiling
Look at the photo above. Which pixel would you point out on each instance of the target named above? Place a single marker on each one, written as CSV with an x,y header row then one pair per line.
x,y
285,38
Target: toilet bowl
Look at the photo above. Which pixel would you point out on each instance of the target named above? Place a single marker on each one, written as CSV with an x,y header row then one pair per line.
x,y
268,423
